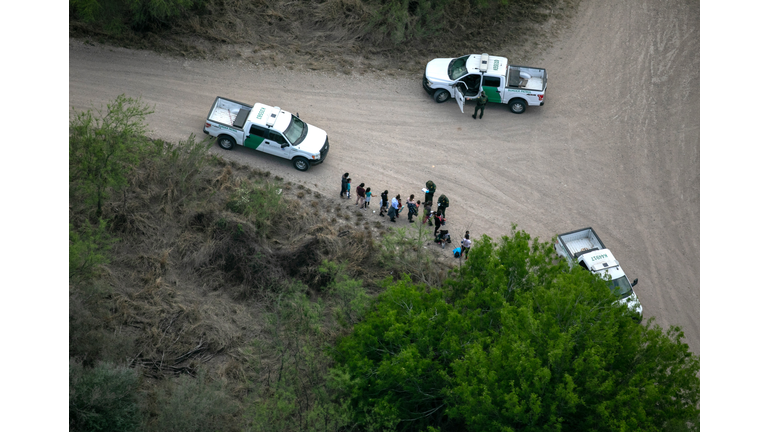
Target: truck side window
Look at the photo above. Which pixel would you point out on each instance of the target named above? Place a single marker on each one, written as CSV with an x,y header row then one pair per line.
x,y
258,131
276,137
491,81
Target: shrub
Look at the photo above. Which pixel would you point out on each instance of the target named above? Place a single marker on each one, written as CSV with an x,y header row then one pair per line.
x,y
194,404
114,15
103,398
104,147
88,248
260,202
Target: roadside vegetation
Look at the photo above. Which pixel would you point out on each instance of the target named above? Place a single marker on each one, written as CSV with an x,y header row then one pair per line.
x,y
206,295
338,35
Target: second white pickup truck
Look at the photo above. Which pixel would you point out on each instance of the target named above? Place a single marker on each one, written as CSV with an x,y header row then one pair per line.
x,y
464,77
585,248
268,129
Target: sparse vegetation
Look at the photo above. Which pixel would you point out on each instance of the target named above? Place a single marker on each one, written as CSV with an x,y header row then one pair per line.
x,y
340,35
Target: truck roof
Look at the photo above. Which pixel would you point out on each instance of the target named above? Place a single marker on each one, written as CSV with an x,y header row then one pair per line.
x,y
269,117
600,260
497,66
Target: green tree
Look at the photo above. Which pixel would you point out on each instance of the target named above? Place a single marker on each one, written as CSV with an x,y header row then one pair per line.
x,y
517,341
103,147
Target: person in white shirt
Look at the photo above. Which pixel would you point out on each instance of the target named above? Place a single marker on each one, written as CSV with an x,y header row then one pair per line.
x,y
394,208
466,243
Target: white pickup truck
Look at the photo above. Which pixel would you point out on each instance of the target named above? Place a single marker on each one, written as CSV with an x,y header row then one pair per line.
x,y
464,77
268,129
585,248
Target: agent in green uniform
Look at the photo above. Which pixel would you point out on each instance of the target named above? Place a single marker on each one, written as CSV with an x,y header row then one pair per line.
x,y
442,204
430,191
481,101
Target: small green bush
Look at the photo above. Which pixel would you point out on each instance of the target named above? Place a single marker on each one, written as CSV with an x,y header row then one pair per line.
x,y
104,398
261,203
189,404
88,249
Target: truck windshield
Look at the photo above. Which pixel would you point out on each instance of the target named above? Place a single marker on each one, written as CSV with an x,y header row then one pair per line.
x,y
297,131
620,287
457,68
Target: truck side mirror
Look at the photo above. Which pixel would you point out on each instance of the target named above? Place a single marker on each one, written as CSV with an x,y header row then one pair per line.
x,y
297,114
284,145
634,282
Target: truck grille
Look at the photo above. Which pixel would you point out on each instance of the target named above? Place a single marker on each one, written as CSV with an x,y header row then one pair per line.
x,y
424,82
324,150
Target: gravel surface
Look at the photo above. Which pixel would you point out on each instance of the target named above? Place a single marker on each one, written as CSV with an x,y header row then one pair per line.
x,y
616,147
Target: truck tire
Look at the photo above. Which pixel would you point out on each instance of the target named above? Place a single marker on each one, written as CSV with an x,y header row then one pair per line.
x,y
517,106
441,96
300,163
226,142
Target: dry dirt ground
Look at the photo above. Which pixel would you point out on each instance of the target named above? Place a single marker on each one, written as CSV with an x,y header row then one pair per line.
x,y
616,147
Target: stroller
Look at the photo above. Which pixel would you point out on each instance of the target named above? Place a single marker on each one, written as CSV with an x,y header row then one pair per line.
x,y
443,237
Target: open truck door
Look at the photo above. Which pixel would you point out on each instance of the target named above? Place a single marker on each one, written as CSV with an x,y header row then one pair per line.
x,y
460,88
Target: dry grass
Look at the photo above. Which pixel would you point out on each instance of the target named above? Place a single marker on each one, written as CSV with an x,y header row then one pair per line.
x,y
192,279
334,35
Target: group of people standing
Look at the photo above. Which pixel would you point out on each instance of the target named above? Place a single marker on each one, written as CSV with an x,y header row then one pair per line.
x,y
393,208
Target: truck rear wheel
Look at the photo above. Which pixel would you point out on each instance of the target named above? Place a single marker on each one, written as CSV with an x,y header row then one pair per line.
x,y
441,96
226,142
517,106
300,163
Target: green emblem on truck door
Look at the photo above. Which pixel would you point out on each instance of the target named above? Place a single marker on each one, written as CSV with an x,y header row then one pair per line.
x,y
253,141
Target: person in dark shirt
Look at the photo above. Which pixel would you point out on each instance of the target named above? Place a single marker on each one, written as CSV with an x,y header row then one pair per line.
x,y
439,221
360,195
384,203
442,204
343,184
430,191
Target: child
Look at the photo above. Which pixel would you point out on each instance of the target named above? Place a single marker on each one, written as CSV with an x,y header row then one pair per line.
x,y
384,203
457,252
368,197
349,186
427,213
466,243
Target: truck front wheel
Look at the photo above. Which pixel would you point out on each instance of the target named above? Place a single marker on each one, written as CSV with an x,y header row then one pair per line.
x,y
441,96
226,142
517,106
300,163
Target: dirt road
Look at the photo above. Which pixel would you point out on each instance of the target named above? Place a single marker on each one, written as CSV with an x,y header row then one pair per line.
x,y
616,147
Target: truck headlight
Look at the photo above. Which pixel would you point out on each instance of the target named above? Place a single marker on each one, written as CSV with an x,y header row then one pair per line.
x,y
429,83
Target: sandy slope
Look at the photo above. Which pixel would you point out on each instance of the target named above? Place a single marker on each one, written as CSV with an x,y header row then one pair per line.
x,y
616,147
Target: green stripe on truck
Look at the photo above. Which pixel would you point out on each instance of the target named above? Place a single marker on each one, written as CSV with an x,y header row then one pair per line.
x,y
253,141
493,94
